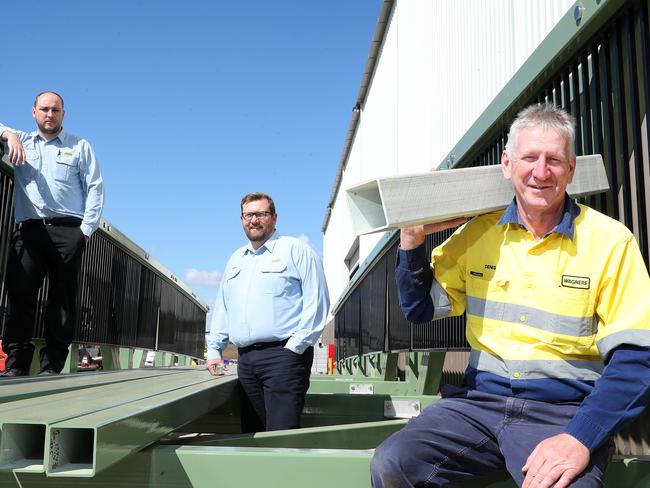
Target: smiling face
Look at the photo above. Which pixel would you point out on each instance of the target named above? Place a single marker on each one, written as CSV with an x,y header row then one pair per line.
x,y
258,229
48,113
540,169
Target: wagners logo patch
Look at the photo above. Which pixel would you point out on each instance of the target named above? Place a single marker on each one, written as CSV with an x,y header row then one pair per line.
x,y
582,282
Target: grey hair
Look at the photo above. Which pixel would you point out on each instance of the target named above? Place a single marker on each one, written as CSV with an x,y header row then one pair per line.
x,y
544,115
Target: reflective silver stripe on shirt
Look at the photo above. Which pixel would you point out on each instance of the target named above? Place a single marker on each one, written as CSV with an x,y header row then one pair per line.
x,y
635,337
441,303
532,317
536,369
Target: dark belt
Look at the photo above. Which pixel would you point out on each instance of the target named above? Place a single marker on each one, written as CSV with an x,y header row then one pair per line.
x,y
262,345
64,221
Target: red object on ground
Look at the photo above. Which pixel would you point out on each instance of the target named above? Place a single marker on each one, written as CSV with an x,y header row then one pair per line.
x,y
330,359
3,358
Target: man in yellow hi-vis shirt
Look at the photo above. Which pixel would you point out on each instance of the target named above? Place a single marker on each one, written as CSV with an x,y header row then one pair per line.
x,y
558,320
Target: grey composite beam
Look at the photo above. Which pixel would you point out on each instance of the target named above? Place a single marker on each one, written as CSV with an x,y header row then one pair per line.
x,y
86,445
398,201
23,423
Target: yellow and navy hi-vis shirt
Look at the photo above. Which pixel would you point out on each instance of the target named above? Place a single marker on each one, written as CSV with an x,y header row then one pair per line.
x,y
543,316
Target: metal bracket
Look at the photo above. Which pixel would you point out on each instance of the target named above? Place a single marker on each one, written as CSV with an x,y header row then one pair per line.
x,y
361,389
401,409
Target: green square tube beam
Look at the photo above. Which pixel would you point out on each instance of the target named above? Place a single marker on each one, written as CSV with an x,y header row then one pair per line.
x,y
22,388
25,421
85,445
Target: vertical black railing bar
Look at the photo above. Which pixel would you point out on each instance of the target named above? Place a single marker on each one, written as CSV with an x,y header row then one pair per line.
x,y
596,110
609,124
644,47
618,85
586,105
585,111
566,90
636,154
387,308
557,91
575,107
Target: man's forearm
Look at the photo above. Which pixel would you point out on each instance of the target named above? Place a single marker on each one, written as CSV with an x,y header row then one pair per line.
x,y
414,280
621,394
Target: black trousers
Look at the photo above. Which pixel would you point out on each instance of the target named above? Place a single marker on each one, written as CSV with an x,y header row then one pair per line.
x,y
273,382
38,249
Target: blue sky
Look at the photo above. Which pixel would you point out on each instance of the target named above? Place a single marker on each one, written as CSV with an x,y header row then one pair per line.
x,y
191,104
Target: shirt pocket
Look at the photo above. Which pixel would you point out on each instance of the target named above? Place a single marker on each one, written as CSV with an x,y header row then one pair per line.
x,y
66,166
31,156
274,280
486,296
229,280
574,321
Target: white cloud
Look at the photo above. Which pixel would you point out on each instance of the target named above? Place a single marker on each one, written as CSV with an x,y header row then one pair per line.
x,y
202,278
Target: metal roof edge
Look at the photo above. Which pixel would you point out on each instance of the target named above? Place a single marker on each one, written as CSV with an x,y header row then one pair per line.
x,y
369,71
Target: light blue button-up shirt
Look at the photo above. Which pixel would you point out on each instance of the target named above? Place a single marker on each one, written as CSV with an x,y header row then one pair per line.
x,y
270,294
60,178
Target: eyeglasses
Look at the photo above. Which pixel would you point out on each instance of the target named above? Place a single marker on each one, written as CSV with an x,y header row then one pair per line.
x,y
249,215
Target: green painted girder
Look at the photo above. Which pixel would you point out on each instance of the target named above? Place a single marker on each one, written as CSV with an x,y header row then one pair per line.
x,y
336,408
85,445
365,435
210,467
339,384
23,423
20,388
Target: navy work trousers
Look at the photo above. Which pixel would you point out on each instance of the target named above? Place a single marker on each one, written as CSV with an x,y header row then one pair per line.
x,y
38,250
468,434
273,382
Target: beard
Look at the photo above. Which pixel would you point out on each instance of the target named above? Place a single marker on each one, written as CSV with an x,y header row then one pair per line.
x,y
51,130
258,234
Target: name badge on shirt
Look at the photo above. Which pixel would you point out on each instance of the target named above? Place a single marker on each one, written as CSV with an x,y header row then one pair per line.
x,y
581,282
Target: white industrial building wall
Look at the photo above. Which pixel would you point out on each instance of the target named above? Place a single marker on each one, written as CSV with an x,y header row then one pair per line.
x,y
441,64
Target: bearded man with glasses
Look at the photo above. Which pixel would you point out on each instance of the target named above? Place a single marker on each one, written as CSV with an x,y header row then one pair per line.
x,y
272,304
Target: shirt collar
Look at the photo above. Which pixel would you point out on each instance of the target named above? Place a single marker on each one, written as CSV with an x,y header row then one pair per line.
x,y
566,225
268,245
61,136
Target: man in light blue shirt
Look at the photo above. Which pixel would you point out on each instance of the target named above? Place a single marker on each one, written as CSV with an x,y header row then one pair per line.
x,y
272,304
58,200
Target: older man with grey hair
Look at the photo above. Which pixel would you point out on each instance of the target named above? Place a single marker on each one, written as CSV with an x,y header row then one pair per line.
x,y
558,321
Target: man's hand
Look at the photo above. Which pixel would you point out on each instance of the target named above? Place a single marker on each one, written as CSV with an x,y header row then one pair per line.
x,y
216,367
555,461
412,237
16,153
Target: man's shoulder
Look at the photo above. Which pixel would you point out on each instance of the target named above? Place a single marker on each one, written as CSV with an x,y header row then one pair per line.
x,y
239,252
72,139
293,243
592,220
483,222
